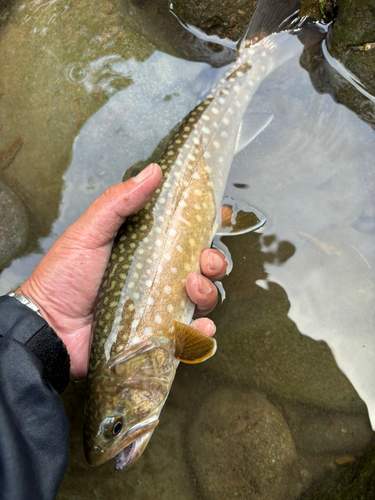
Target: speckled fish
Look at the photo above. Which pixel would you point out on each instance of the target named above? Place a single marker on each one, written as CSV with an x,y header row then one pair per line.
x,y
140,330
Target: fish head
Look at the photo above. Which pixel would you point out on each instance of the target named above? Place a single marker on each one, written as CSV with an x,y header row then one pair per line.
x,y
124,398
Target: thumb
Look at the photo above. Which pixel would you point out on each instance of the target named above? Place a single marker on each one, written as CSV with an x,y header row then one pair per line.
x,y
99,224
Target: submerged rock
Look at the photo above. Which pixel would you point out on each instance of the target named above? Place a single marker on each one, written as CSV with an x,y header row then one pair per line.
x,y
354,481
13,225
320,432
241,447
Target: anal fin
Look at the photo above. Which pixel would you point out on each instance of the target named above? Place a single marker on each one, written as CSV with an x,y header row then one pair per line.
x,y
237,217
192,346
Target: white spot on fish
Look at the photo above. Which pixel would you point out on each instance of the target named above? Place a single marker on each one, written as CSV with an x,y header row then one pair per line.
x,y
172,232
174,270
139,265
195,140
237,88
150,301
131,284
167,289
158,319
148,330
135,323
170,308
226,120
149,283
216,144
263,68
215,111
182,204
191,157
159,243
206,130
205,117
224,135
136,295
221,100
179,248
196,175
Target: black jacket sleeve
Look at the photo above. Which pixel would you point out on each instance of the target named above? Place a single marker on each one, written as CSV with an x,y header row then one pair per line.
x,y
34,429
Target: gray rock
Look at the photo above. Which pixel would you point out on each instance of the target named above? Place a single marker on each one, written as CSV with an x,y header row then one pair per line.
x,y
241,447
13,225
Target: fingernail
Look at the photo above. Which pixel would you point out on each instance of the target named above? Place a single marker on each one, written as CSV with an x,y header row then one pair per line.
x,y
214,261
145,174
204,287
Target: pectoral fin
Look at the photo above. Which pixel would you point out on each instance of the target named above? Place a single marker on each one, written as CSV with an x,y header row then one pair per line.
x,y
192,346
237,217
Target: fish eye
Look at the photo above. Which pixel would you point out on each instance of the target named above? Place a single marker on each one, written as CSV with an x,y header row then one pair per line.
x,y
117,426
112,426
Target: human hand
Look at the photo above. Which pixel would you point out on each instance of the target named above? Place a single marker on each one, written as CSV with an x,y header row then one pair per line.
x,y
64,285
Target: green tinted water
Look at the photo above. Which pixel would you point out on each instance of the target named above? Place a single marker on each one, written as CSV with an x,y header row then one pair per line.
x,y
286,403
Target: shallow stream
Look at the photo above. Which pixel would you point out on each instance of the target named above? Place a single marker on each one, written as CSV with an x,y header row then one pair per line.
x,y
288,400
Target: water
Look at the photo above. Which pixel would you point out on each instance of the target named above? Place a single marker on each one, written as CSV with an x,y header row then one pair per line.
x,y
289,393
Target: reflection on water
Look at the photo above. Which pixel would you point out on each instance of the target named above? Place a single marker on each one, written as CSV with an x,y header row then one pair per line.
x,y
283,402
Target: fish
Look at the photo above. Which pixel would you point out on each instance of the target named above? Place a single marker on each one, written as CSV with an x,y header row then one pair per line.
x,y
141,329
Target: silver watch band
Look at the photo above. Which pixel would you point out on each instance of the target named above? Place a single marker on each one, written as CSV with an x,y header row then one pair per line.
x,y
25,301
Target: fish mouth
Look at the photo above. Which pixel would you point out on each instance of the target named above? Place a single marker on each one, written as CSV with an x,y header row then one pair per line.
x,y
130,454
134,442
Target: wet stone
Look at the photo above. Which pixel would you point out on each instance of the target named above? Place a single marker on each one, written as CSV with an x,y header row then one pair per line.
x,y
241,447
322,432
13,225
228,18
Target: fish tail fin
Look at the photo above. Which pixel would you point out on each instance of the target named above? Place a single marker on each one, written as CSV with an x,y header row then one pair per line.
x,y
272,16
